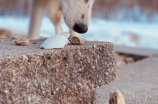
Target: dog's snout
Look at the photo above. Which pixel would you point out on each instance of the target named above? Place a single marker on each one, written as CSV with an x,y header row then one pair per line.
x,y
80,28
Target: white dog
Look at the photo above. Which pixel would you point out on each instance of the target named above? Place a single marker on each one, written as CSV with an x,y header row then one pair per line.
x,y
76,14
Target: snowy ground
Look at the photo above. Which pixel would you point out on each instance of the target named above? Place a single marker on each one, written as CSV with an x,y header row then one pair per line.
x,y
143,35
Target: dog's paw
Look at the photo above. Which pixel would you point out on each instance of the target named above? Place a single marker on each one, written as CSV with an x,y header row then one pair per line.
x,y
56,41
76,40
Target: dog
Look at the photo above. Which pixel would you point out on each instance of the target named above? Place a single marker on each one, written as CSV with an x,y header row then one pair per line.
x,y
76,13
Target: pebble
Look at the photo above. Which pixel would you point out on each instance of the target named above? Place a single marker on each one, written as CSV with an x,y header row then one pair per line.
x,y
28,84
77,64
57,89
22,101
5,92
39,85
21,41
4,85
106,74
74,55
63,87
100,49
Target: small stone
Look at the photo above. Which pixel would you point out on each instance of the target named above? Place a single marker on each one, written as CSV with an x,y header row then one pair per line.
x,y
95,46
93,67
25,57
22,101
21,41
4,85
116,96
100,49
5,92
14,81
100,81
106,74
39,85
74,55
79,53
53,92
77,64
57,89
79,84
112,69
76,40
63,87
27,84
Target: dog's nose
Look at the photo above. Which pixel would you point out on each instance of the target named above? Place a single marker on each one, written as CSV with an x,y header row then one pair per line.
x,y
80,28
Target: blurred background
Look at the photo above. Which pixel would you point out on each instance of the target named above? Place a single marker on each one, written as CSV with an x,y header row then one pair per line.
x,y
133,23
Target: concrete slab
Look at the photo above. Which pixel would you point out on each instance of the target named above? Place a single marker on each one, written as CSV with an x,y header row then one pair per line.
x,y
136,51
59,76
138,82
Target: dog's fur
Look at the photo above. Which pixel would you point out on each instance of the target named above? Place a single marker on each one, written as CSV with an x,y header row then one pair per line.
x,y
74,12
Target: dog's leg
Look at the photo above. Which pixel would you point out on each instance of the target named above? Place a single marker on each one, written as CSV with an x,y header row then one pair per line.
x,y
38,10
75,38
55,15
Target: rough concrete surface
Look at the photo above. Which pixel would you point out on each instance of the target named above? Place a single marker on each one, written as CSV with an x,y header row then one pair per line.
x,y
138,82
29,75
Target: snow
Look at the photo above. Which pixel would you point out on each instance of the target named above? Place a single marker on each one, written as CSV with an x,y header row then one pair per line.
x,y
116,32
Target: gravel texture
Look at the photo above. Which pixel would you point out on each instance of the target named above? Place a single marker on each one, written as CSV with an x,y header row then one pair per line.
x,y
29,75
